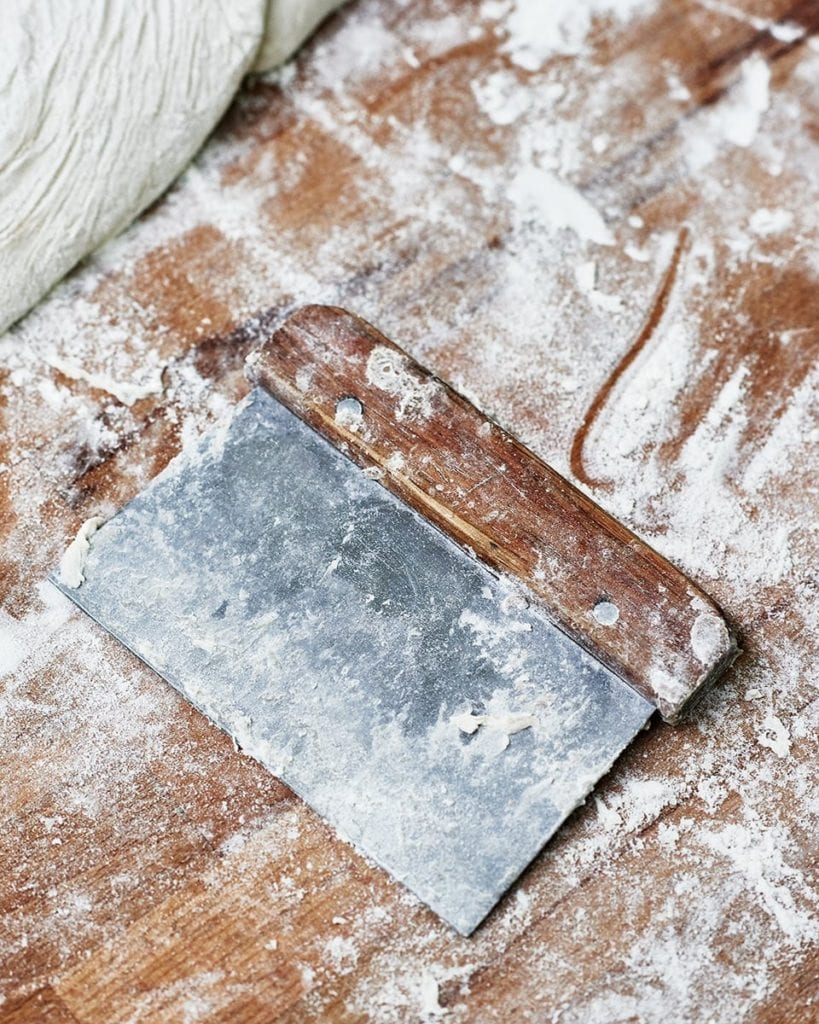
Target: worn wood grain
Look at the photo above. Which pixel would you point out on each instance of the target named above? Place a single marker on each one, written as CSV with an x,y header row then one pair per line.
x,y
150,871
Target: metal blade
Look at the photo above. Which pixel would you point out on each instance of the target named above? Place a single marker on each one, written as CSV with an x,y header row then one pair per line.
x,y
335,634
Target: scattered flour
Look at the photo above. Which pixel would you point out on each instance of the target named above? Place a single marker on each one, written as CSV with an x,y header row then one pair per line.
x,y
395,463
727,497
428,992
586,277
770,222
501,97
749,101
387,370
783,31
774,735
760,859
538,193
342,953
538,31
735,118
18,637
127,393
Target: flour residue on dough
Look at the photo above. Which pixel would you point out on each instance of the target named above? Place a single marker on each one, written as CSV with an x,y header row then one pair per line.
x,y
72,564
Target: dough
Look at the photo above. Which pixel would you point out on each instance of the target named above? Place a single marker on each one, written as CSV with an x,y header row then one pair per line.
x,y
72,564
102,105
289,23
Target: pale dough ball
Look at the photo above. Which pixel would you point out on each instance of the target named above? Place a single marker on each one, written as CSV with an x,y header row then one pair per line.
x,y
102,104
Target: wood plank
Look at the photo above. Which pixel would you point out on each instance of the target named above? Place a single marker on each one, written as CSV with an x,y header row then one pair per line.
x,y
194,948
42,1007
671,375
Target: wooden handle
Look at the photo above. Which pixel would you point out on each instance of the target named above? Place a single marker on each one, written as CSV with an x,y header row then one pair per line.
x,y
596,580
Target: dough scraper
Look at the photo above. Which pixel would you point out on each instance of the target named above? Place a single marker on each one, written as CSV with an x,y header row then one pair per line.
x,y
430,635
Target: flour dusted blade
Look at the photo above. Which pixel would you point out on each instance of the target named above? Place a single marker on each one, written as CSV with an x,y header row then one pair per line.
x,y
417,701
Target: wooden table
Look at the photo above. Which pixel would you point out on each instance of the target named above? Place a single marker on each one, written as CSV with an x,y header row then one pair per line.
x,y
605,233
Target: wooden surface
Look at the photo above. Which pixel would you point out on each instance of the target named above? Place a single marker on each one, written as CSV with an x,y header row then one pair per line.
x,y
493,495
452,177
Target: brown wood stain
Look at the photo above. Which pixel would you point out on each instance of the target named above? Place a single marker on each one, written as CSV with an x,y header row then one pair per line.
x,y
193,860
